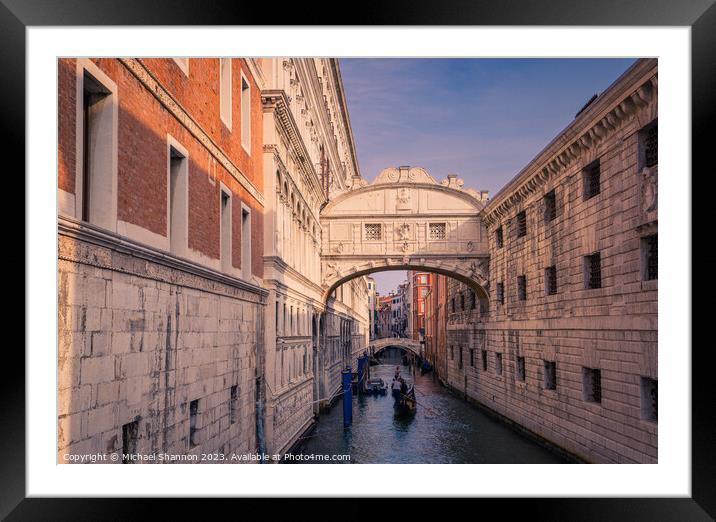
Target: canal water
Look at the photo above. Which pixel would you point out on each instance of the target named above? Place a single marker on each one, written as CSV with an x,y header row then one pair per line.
x,y
445,429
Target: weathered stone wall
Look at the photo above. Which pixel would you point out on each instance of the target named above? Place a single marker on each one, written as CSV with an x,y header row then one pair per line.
x,y
140,339
612,328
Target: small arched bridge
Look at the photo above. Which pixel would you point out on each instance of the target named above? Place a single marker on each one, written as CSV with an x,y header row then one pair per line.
x,y
378,345
405,220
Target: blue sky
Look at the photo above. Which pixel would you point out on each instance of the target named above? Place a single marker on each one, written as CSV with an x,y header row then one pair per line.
x,y
483,119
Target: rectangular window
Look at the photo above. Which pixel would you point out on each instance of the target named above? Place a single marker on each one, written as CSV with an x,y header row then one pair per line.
x,y
649,256
550,278
452,353
550,375
178,201
245,242
245,114
473,300
522,288
373,232
649,399
225,91
520,369
225,206
591,175
193,429
550,207
500,291
472,357
498,237
130,435
592,384
484,360
593,271
459,365
98,137
498,364
649,146
437,231
234,404
521,224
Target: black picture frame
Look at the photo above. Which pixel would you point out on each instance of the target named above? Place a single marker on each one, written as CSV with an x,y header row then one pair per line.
x,y
700,15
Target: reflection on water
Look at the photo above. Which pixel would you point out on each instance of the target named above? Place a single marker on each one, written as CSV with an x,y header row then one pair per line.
x,y
445,429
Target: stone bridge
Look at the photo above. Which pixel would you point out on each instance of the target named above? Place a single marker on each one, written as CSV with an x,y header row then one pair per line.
x,y
378,345
405,220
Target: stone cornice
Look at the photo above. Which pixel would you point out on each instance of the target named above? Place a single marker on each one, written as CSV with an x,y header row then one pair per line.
x,y
93,235
344,112
152,84
276,100
629,94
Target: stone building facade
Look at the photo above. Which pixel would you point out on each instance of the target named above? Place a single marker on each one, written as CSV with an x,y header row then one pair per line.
x,y
308,155
568,347
160,255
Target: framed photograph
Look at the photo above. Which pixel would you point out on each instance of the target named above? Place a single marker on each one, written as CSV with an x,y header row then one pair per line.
x,y
428,247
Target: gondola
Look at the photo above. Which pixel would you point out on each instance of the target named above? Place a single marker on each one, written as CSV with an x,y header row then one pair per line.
x,y
376,387
405,403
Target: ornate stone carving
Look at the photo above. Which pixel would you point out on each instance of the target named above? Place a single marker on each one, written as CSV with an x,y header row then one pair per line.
x,y
403,199
649,195
402,232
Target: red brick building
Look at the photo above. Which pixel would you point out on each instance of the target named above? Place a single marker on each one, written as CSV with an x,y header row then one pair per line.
x,y
420,283
160,255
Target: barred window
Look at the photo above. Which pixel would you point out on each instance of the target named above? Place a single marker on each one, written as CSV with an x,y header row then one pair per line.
x,y
591,180
593,271
550,277
373,232
649,246
550,375
592,384
500,291
484,360
498,364
550,207
521,224
522,288
649,399
437,231
651,153
498,237
520,369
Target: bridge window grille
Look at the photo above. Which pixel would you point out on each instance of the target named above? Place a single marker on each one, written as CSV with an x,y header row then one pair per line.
x,y
484,360
437,230
550,375
650,145
498,237
500,291
522,224
522,288
373,232
592,180
498,364
550,276
592,384
550,207
520,369
649,399
649,247
593,271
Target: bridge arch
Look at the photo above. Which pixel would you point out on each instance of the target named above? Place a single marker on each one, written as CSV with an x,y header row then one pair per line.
x,y
378,345
405,220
